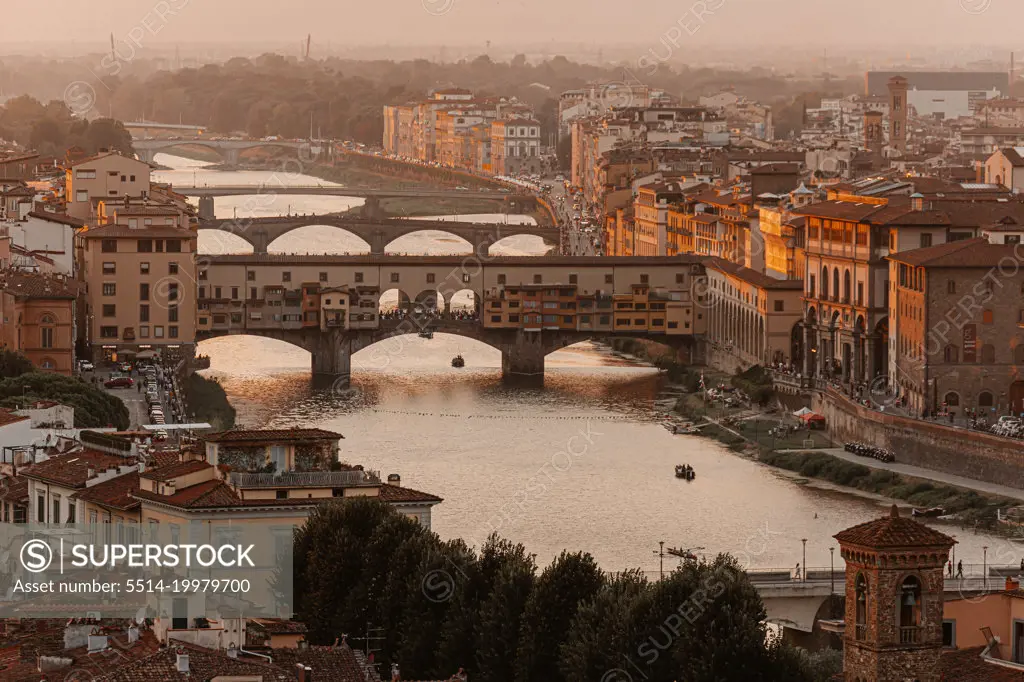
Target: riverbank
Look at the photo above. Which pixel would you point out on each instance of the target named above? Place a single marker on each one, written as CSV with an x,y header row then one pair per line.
x,y
755,433
968,506
206,399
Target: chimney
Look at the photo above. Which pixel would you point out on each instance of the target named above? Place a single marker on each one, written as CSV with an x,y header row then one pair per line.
x,y
182,661
90,472
1012,584
394,479
303,673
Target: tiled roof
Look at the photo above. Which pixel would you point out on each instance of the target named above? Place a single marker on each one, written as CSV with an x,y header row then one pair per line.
x,y
116,493
72,470
268,435
14,490
218,495
967,665
31,285
753,276
840,210
277,626
1013,157
204,664
7,416
57,218
175,469
966,253
893,531
115,231
394,493
337,664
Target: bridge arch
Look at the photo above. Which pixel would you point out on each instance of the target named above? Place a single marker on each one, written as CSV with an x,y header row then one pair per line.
x,y
218,242
317,237
392,300
460,246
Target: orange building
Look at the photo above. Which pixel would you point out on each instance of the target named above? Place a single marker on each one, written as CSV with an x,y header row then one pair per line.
x,y
38,318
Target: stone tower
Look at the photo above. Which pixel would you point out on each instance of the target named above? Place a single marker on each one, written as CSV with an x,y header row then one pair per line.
x,y
894,600
898,113
873,137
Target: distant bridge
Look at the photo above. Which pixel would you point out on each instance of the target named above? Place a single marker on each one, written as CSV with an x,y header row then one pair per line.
x,y
153,125
341,191
231,150
378,234
798,604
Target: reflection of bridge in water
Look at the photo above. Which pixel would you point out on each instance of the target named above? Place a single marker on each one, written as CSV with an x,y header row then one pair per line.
x,y
378,234
525,307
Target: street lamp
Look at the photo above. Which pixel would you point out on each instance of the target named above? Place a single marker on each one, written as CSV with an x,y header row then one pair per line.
x,y
832,568
661,557
804,540
984,565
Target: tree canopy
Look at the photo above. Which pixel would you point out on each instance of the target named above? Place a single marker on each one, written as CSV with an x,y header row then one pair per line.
x,y
52,128
360,566
21,385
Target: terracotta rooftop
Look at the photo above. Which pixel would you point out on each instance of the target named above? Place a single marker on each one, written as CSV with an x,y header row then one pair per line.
x,y
967,665
893,531
204,664
218,495
116,493
268,435
277,626
72,470
753,276
394,493
119,231
7,416
14,490
337,663
57,218
967,253
174,469
29,285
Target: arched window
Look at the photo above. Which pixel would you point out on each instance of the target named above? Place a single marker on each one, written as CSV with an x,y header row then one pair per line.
x,y
985,399
952,399
861,587
1018,354
46,323
988,354
950,353
824,282
835,284
846,287
910,610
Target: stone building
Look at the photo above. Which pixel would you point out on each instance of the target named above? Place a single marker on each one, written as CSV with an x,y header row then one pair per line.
x,y
37,318
894,600
957,340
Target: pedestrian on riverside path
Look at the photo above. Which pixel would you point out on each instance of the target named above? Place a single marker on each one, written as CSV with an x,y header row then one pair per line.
x,y
960,569
950,566
798,571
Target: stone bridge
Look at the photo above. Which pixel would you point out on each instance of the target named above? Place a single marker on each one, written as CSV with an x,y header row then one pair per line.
x,y
231,150
378,234
522,353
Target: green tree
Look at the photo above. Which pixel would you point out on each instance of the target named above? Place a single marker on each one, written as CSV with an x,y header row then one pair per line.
x,y
94,407
568,582
501,613
13,363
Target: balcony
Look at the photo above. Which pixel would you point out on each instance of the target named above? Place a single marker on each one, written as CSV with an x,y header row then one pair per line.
x,y
306,479
860,631
910,635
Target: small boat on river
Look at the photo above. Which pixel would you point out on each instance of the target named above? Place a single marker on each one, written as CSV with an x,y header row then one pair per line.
x,y
458,361
685,471
929,513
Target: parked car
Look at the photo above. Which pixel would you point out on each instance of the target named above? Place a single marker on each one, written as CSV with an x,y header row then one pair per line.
x,y
125,367
119,382
85,366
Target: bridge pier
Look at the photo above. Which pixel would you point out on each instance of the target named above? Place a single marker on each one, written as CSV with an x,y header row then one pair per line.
x,y
523,358
232,156
371,209
206,208
332,357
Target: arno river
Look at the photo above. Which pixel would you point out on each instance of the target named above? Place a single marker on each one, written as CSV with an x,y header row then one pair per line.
x,y
581,464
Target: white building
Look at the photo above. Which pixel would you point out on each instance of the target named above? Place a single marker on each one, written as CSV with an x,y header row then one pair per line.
x,y
46,234
1006,167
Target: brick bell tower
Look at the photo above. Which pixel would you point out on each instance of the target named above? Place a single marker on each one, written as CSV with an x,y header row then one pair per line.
x,y
894,599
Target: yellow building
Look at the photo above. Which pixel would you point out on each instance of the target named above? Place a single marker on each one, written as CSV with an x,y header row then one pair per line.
x,y
37,318
107,176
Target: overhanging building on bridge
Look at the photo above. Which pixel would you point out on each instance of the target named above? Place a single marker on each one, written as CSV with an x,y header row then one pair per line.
x,y
526,307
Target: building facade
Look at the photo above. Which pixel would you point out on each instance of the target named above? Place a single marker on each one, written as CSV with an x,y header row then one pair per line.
x,y
38,315
141,290
108,176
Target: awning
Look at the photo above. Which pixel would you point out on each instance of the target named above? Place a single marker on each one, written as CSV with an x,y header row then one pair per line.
x,y
147,355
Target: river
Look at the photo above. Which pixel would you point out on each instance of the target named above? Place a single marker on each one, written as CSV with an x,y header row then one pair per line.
x,y
582,463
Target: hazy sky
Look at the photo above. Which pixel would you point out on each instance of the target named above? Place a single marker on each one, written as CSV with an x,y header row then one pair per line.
x,y
435,22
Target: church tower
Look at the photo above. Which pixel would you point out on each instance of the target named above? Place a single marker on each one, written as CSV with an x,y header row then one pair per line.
x,y
894,600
